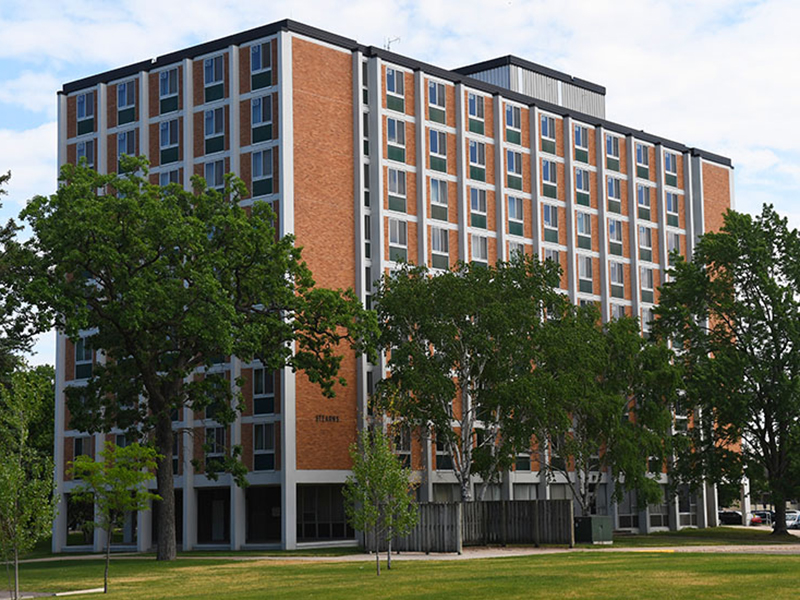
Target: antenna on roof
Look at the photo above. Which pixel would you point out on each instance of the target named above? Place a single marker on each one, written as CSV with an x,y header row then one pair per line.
x,y
389,42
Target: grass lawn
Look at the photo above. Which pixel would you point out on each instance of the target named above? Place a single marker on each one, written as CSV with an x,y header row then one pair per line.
x,y
712,536
575,575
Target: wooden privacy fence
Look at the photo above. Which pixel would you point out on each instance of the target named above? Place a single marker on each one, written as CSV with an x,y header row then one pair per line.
x,y
449,527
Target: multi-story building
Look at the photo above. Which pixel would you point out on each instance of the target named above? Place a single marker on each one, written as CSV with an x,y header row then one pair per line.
x,y
371,157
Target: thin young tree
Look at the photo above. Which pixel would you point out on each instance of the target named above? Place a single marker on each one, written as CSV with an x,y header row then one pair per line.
x,y
117,485
378,494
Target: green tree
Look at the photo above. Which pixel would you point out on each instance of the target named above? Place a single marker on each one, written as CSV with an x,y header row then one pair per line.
x,y
733,313
117,484
167,281
469,337
378,493
27,498
618,389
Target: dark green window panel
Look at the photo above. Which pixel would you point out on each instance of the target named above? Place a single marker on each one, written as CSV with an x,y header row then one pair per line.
x,y
581,155
263,462
583,198
365,95
396,153
585,286
126,115
551,235
436,114
398,254
367,250
615,206
647,295
618,291
439,164
549,146
262,133
168,104
438,212
672,220
397,203
263,406
169,155
515,228
261,80
262,187
366,197
214,92
366,147
612,163
477,173
86,126
671,179
643,172
395,103
476,263
615,248
645,254
513,136
476,126
550,191
514,182
83,371
644,213
477,220
440,262
584,242
215,144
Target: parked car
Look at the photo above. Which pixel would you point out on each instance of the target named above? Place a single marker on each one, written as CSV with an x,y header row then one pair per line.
x,y
792,519
767,517
756,519
730,517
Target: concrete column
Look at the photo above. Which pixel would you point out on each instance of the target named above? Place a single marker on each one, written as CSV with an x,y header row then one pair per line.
x,y
144,113
144,530
500,178
462,199
674,514
602,221
507,486
712,505
572,267
533,120
426,489
644,520
422,187
189,496
59,540
633,225
238,514
661,207
188,126
702,513
745,500
102,131
235,121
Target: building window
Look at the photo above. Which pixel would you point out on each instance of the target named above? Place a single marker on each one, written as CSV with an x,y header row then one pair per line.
x,y
548,127
126,102
513,124
261,109
212,76
167,177
550,185
444,462
439,199
175,452
85,150
126,145
617,276
642,155
582,190
643,200
515,216
168,90
514,169
646,274
394,90
396,139
551,254
645,243
615,237
438,150
477,160
672,209
264,447
585,274
398,240
612,146
80,446
673,244
671,163
475,108
215,130
263,392
168,141
215,177
614,195
480,249
516,249
584,221
550,220
617,311
402,445
440,244
262,172
215,442
261,65
477,198
397,190
581,137
83,359
647,320
436,102
85,106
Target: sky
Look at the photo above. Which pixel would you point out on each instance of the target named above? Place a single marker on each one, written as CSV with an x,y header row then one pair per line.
x,y
720,75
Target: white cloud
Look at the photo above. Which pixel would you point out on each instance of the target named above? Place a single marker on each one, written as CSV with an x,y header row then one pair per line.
x,y
30,155
31,91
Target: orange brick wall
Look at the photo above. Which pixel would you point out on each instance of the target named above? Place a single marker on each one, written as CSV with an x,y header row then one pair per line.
x,y
716,195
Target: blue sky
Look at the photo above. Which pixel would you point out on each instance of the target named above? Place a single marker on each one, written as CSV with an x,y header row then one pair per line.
x,y
717,74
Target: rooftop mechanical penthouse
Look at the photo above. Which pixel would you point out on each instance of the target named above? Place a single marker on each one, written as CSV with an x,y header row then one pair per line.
x,y
370,157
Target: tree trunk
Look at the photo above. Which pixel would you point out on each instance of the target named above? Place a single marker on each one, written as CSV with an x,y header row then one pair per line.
x,y
167,549
377,552
389,550
466,492
16,573
779,527
108,558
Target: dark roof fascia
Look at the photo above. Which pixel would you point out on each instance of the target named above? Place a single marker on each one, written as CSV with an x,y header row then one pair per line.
x,y
398,59
531,66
